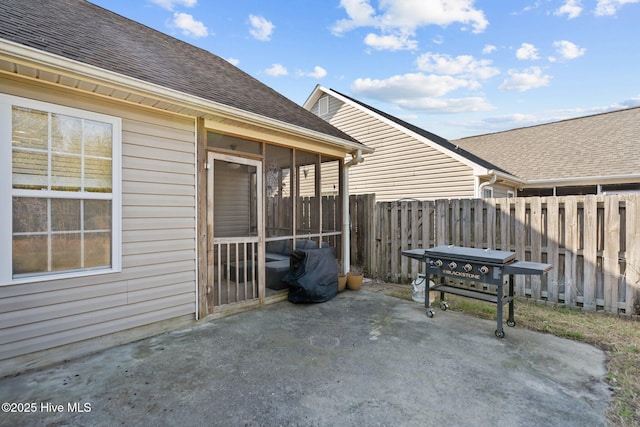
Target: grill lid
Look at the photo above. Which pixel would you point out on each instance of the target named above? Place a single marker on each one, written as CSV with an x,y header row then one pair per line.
x,y
480,255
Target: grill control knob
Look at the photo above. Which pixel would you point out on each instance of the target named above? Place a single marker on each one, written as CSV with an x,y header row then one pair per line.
x,y
484,269
453,265
438,263
468,267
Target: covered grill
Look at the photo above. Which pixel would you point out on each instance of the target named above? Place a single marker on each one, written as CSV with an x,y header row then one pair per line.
x,y
491,267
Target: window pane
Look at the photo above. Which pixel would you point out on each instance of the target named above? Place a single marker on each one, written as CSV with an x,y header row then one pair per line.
x,y
29,254
65,215
66,173
58,152
65,251
30,128
97,250
29,171
97,139
66,134
97,215
29,215
97,175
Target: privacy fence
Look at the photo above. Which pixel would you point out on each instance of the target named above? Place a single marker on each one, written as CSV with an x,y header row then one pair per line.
x,y
592,242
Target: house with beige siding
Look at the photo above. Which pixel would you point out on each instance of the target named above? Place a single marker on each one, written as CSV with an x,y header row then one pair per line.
x,y
408,162
587,155
595,154
145,183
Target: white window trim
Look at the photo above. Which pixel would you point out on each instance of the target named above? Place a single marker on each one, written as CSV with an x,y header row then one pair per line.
x,y
323,106
489,190
6,191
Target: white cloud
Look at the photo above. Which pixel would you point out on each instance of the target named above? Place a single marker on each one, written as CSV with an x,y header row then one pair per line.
x,y
189,26
276,70
317,73
568,50
261,29
462,65
361,14
527,51
488,48
233,61
390,42
398,20
610,7
170,4
530,78
413,85
571,8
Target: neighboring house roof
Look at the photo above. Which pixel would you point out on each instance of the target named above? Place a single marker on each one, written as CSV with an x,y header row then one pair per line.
x,y
83,32
602,145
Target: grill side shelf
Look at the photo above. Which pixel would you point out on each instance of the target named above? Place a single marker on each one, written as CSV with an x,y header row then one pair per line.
x,y
527,267
418,254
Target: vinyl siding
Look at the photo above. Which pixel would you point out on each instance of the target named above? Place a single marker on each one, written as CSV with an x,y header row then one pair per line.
x,y
401,166
158,278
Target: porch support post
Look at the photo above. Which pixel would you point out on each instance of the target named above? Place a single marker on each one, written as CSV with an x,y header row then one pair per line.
x,y
346,224
346,217
202,307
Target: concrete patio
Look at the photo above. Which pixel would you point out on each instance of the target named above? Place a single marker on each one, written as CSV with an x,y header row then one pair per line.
x,y
360,359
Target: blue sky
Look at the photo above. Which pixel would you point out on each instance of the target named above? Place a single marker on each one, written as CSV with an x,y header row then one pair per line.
x,y
453,67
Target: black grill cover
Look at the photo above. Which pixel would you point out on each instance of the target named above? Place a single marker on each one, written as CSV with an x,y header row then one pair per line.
x,y
313,275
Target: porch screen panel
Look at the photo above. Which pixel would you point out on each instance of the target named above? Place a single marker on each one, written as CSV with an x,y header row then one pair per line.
x,y
307,191
278,185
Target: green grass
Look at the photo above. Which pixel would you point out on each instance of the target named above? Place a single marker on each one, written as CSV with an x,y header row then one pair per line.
x,y
618,337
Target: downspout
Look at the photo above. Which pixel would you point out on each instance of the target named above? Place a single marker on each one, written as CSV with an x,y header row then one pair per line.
x,y
493,180
346,223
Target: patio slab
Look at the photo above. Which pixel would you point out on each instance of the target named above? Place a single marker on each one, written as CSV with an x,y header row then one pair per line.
x,y
360,359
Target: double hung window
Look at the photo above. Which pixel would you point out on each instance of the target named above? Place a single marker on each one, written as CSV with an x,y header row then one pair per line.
x,y
61,191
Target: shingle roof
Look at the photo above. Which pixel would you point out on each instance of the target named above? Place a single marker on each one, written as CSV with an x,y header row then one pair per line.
x,y
84,32
606,144
451,146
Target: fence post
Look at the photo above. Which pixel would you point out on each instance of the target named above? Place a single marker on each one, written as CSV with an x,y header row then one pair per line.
x,y
611,248
442,213
590,252
632,271
536,244
570,250
553,244
491,223
520,241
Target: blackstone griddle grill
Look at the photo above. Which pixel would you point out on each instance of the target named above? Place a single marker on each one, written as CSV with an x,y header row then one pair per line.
x,y
487,266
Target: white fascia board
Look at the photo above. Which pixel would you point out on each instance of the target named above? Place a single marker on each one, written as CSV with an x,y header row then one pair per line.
x,y
313,97
477,169
78,70
585,180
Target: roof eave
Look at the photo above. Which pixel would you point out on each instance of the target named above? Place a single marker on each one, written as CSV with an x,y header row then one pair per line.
x,y
36,58
585,180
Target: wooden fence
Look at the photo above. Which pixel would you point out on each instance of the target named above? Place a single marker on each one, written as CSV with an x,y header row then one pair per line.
x,y
592,242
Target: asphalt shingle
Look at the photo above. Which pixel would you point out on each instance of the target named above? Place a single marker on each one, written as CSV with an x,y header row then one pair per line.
x,y
604,144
